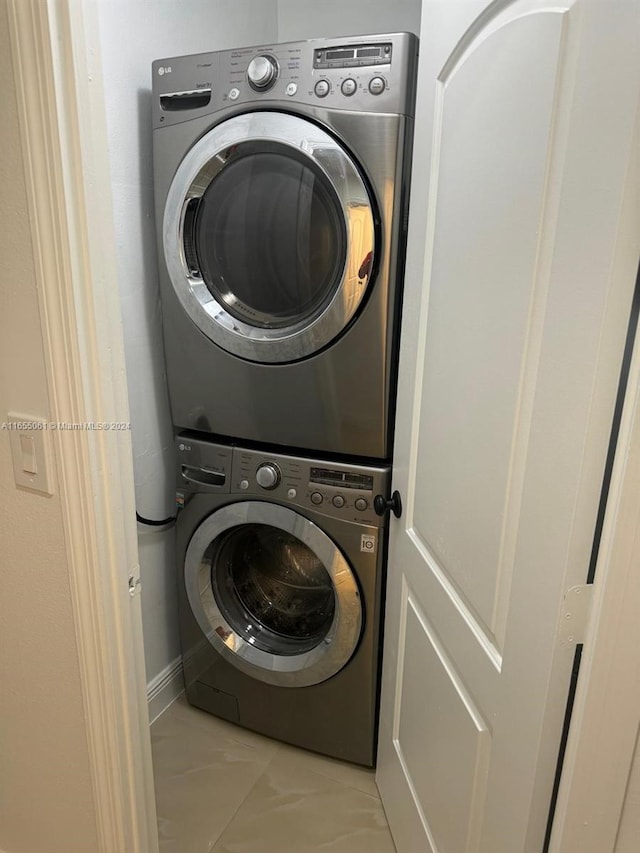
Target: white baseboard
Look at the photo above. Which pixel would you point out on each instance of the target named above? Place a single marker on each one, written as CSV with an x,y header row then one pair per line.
x,y
164,688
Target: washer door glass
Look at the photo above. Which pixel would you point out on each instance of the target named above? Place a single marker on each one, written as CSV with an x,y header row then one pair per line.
x,y
269,236
272,588
273,594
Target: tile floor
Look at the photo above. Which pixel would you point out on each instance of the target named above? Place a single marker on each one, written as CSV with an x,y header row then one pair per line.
x,y
222,789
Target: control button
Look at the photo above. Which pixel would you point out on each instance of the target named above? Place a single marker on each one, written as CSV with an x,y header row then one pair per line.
x,y
338,501
291,89
361,504
262,72
234,94
349,86
377,85
316,498
322,88
291,493
244,484
268,475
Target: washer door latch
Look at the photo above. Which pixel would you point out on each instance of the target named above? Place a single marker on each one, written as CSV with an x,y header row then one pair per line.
x,y
382,505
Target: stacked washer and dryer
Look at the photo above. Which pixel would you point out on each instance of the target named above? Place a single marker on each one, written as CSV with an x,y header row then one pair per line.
x,y
281,181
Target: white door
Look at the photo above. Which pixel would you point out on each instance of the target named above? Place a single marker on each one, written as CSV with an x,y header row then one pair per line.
x,y
518,288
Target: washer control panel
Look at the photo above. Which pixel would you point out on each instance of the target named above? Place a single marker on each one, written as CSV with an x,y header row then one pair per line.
x,y
372,74
337,489
341,490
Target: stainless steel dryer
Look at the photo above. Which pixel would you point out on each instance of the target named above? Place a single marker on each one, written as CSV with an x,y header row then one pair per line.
x,y
281,201
280,563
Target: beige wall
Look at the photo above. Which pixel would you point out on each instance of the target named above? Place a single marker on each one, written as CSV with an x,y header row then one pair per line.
x,y
629,833
46,803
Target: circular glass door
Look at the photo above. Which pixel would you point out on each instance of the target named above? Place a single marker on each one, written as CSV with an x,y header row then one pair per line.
x,y
273,594
269,236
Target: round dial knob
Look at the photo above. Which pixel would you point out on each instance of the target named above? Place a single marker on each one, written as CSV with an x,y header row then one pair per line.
x,y
322,88
268,475
262,72
349,86
377,85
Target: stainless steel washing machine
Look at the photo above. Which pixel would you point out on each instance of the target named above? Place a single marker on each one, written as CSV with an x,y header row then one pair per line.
x,y
281,183
280,563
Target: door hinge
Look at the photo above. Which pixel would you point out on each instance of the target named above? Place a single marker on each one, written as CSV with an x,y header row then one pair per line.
x,y
576,613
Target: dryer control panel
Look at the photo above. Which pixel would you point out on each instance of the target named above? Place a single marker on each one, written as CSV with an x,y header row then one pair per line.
x,y
337,489
370,73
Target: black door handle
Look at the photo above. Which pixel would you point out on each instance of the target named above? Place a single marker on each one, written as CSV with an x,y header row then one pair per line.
x,y
382,505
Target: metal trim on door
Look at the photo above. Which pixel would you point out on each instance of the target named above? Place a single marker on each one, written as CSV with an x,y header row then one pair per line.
x,y
208,157
336,648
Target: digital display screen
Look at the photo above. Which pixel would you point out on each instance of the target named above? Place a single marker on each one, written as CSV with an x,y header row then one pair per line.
x,y
354,56
339,54
344,479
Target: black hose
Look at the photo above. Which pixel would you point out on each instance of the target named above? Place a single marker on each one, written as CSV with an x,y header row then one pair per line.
x,y
155,522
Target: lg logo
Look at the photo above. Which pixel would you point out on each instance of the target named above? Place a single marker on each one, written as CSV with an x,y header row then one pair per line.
x,y
166,70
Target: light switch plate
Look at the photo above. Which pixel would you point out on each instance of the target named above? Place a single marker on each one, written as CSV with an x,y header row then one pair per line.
x,y
31,452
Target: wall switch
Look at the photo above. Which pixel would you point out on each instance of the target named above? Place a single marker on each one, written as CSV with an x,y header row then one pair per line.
x,y
31,452
28,450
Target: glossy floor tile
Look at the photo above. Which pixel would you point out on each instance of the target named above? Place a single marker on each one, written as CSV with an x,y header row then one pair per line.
x,y
223,789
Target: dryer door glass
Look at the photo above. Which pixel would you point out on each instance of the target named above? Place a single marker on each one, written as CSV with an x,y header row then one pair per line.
x,y
273,594
269,236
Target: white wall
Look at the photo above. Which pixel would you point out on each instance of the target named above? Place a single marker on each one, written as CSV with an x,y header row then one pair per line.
x,y
46,800
302,19
133,33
